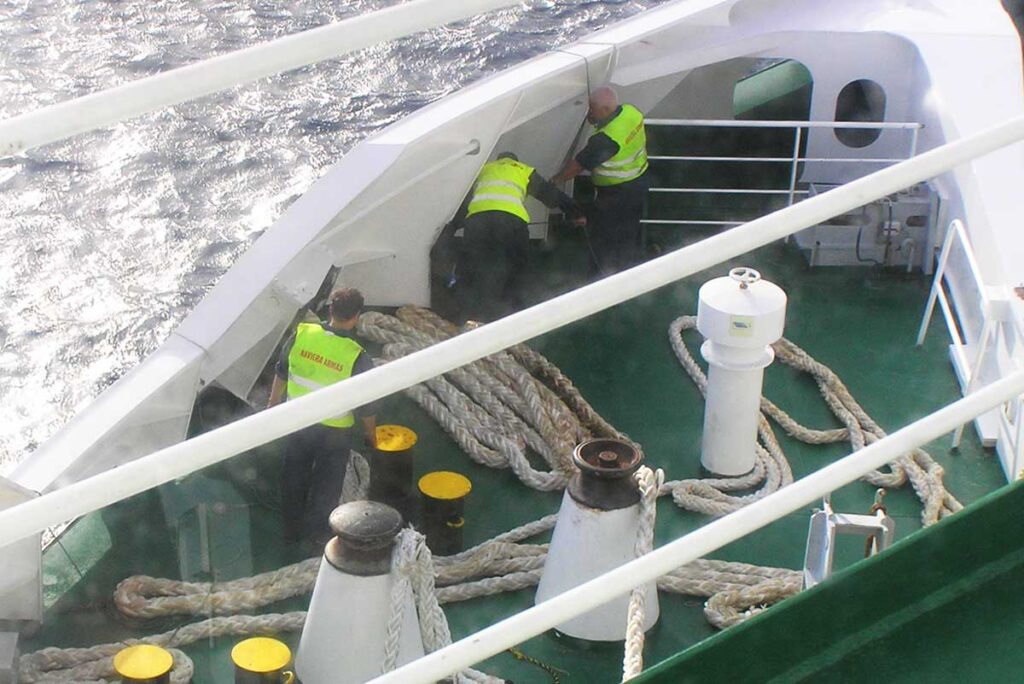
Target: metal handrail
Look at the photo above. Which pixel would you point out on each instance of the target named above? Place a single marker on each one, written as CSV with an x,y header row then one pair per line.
x,y
938,295
734,123
1010,431
794,160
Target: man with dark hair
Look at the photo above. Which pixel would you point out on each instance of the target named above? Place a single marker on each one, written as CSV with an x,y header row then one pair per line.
x,y
317,456
497,234
616,156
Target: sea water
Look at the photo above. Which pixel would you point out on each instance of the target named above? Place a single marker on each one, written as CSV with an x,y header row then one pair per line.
x,y
108,240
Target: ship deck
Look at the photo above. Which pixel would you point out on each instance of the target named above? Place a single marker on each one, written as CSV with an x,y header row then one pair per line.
x,y
861,322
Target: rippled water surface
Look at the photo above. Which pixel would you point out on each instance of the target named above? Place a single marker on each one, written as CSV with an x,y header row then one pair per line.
x,y
108,240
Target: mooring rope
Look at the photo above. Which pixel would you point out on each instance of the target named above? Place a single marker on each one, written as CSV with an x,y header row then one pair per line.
x,y
649,482
496,409
707,496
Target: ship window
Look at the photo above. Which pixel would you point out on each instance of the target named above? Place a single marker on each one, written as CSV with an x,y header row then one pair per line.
x,y
776,89
860,100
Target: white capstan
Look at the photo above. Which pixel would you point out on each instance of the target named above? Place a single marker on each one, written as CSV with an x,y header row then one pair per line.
x,y
741,315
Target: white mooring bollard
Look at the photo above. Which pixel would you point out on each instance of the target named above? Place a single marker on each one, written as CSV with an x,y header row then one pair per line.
x,y
740,315
596,532
343,639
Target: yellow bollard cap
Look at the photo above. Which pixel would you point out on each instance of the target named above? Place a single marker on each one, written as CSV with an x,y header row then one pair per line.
x,y
444,484
261,654
143,661
395,438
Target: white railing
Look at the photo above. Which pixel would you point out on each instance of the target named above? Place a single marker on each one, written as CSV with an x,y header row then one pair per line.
x,y
1000,332
956,238
701,542
970,356
178,460
794,160
1010,442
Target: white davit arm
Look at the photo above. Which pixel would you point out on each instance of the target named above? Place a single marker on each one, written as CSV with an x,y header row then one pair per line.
x,y
108,107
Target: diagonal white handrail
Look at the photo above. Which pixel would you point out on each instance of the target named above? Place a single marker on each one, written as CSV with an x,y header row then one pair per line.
x,y
699,543
186,457
111,106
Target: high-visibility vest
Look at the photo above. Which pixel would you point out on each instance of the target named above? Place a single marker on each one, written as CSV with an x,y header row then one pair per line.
x,y
630,162
501,186
320,358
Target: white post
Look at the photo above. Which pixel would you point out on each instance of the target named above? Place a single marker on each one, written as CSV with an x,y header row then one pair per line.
x,y
741,316
936,283
796,159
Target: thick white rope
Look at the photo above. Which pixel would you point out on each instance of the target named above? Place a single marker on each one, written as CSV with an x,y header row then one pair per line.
x,y
356,486
708,496
649,483
495,408
497,411
413,569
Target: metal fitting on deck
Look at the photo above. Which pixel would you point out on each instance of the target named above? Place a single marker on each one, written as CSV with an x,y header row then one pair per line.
x,y
262,660
364,538
605,477
144,663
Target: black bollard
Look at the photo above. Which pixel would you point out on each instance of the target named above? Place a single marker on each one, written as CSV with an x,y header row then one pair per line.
x,y
391,467
605,478
444,497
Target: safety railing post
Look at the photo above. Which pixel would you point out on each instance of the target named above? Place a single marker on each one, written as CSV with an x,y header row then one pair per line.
x,y
972,379
796,158
940,272
1017,448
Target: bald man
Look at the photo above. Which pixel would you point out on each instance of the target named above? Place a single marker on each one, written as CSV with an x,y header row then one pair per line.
x,y
616,156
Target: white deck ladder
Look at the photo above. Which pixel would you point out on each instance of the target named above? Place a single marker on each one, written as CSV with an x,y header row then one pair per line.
x,y
994,313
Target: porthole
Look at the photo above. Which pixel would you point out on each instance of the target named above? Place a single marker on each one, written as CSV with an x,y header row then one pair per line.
x,y
860,100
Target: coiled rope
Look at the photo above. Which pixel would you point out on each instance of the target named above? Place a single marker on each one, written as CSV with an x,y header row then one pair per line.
x,y
709,496
496,409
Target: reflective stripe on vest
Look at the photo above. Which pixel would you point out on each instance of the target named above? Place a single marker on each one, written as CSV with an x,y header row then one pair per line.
x,y
627,130
320,358
501,186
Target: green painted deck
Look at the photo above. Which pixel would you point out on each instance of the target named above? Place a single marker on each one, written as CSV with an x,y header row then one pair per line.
x,y
861,322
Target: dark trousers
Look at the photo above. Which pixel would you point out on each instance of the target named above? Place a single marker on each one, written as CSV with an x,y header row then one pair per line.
x,y
314,470
496,247
613,226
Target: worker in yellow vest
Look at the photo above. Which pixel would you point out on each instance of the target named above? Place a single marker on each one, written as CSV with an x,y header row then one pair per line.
x,y
616,156
496,234
316,457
